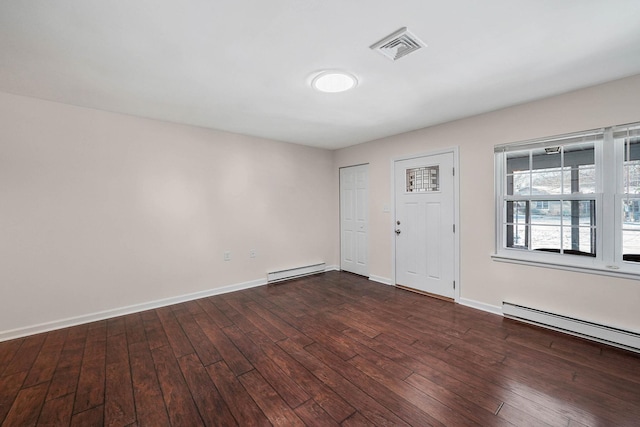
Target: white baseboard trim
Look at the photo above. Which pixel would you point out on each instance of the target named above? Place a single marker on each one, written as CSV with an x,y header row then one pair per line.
x,y
494,309
107,314
379,279
332,268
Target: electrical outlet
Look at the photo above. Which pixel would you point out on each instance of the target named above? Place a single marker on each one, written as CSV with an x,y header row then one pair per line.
x,y
252,253
227,256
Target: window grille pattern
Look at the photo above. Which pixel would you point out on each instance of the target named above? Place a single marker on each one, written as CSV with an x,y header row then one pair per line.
x,y
423,179
545,207
576,194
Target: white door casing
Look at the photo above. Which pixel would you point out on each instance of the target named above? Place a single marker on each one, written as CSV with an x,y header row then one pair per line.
x,y
354,219
425,257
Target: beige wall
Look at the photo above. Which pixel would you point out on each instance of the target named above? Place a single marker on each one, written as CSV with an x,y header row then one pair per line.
x,y
592,297
100,211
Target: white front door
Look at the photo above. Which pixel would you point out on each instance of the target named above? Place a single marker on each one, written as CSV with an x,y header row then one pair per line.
x,y
354,219
424,224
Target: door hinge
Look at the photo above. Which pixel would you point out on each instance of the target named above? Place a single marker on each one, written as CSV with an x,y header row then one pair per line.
x,y
454,228
454,284
454,171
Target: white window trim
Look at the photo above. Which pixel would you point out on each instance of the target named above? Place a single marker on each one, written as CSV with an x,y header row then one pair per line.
x,y
617,197
609,156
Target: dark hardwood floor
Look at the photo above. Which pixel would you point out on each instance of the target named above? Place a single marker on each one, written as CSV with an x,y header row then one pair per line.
x,y
327,350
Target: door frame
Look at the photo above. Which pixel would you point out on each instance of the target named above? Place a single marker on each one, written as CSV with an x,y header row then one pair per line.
x,y
367,209
456,213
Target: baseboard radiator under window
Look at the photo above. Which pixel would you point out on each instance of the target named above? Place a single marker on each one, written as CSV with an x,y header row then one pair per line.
x,y
292,273
593,331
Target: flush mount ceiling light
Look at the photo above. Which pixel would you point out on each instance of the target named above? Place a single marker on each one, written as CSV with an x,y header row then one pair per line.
x,y
334,81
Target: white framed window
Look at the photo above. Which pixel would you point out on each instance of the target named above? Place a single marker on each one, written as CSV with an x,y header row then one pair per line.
x,y
627,198
571,200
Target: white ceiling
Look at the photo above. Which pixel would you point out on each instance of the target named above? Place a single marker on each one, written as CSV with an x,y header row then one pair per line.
x,y
245,65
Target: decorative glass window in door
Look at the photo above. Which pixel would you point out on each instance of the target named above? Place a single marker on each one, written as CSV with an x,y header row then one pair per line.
x,y
423,179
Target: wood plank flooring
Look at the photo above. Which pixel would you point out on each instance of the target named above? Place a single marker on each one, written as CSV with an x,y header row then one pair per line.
x,y
327,350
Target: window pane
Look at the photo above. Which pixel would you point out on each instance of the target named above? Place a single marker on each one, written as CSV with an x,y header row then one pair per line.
x,y
578,241
631,245
570,216
539,205
518,178
546,158
518,162
517,236
631,169
578,212
517,212
631,148
630,212
579,154
545,238
631,230
579,164
548,216
546,181
587,179
569,181
521,185
631,173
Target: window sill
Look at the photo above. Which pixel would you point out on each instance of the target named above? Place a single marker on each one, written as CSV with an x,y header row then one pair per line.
x,y
603,271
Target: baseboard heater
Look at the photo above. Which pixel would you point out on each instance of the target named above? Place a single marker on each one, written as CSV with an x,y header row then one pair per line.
x,y
292,273
593,331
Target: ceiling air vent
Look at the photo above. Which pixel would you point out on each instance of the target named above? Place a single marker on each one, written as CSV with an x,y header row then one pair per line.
x,y
398,44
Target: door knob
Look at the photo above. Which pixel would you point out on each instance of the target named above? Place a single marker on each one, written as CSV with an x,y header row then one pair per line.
x,y
398,231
